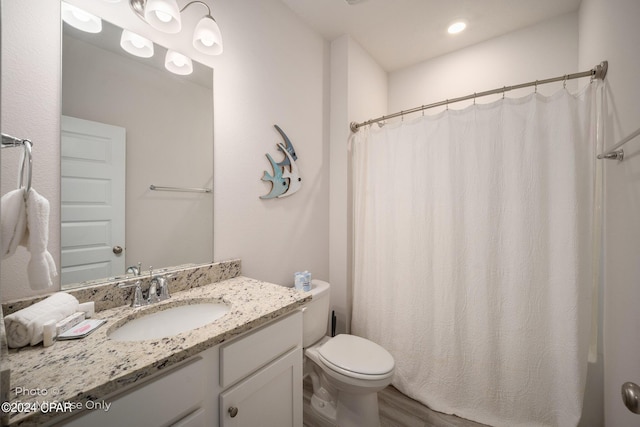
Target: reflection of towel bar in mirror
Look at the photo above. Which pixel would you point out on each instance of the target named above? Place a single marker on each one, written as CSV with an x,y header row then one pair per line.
x,y
185,189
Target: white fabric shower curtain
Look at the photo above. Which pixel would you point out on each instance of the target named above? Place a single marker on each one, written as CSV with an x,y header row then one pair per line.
x,y
473,253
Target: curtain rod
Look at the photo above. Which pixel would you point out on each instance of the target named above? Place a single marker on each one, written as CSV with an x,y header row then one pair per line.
x,y
597,72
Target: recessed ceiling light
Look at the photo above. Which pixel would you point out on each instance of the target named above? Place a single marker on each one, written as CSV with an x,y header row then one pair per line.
x,y
457,27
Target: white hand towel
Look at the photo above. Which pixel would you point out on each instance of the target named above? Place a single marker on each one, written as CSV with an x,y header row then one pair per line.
x,y
13,225
25,326
41,268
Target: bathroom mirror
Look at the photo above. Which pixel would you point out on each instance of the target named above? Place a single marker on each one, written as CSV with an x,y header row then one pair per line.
x,y
128,123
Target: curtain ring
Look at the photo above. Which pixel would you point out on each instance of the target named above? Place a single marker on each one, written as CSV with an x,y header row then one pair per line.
x,y
536,88
564,83
447,105
474,98
423,111
402,116
504,88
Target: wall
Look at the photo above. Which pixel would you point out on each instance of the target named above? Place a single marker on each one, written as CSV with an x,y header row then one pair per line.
x,y
30,109
273,71
609,30
358,91
548,49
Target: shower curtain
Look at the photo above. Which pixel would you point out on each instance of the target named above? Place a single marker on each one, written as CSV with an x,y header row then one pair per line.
x,y
473,255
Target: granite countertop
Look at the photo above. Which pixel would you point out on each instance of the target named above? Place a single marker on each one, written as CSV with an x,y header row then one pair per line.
x,y
96,366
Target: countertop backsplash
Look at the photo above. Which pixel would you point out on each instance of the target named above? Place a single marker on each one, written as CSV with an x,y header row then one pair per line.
x,y
108,295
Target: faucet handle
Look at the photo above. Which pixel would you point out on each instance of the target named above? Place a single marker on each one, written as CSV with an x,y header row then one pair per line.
x,y
137,271
137,300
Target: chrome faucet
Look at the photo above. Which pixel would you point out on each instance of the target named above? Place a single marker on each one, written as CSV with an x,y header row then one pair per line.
x,y
137,271
158,288
163,286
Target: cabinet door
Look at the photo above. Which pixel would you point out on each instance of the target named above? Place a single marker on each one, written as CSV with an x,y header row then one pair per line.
x,y
272,397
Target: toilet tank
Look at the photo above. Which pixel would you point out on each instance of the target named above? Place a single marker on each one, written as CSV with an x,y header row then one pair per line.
x,y
315,316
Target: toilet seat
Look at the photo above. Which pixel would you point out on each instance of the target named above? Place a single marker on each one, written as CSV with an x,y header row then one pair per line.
x,y
356,357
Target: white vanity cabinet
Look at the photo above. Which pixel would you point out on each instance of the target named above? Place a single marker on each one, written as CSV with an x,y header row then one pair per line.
x,y
272,394
182,396
270,397
254,379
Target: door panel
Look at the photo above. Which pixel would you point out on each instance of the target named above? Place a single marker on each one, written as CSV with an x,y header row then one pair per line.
x,y
92,200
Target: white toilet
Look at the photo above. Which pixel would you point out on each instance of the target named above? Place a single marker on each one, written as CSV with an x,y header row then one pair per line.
x,y
347,371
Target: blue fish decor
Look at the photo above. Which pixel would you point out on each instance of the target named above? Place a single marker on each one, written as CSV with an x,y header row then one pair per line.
x,y
285,180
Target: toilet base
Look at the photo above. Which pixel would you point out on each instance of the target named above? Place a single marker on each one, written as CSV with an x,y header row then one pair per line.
x,y
323,409
351,410
356,410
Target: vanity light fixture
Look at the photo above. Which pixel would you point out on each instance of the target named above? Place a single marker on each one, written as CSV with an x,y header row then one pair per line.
x,y
80,19
164,15
457,27
136,44
207,37
177,63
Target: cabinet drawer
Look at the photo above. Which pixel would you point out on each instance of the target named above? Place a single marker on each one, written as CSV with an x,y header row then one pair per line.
x,y
248,353
153,403
194,419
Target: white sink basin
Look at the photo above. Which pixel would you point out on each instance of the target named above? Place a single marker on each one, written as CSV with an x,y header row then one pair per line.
x,y
169,322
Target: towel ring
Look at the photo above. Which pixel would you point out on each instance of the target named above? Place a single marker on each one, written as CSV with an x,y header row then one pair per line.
x,y
26,166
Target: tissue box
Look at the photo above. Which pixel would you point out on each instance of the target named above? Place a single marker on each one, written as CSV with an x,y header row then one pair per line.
x,y
69,322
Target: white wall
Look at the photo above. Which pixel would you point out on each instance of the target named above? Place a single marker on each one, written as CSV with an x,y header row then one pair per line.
x,y
548,49
30,109
609,31
358,91
273,71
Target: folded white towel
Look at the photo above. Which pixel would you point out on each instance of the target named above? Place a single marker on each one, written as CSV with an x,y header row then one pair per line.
x,y
25,326
13,225
41,268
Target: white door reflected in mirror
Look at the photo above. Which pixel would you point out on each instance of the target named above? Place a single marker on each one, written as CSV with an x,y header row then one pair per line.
x,y
92,200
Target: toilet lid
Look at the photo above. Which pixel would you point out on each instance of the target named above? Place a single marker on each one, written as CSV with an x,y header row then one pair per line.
x,y
356,354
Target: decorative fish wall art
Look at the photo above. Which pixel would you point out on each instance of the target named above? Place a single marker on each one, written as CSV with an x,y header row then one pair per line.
x,y
285,180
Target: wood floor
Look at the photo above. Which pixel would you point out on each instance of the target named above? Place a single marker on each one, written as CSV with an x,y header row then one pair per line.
x,y
396,410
